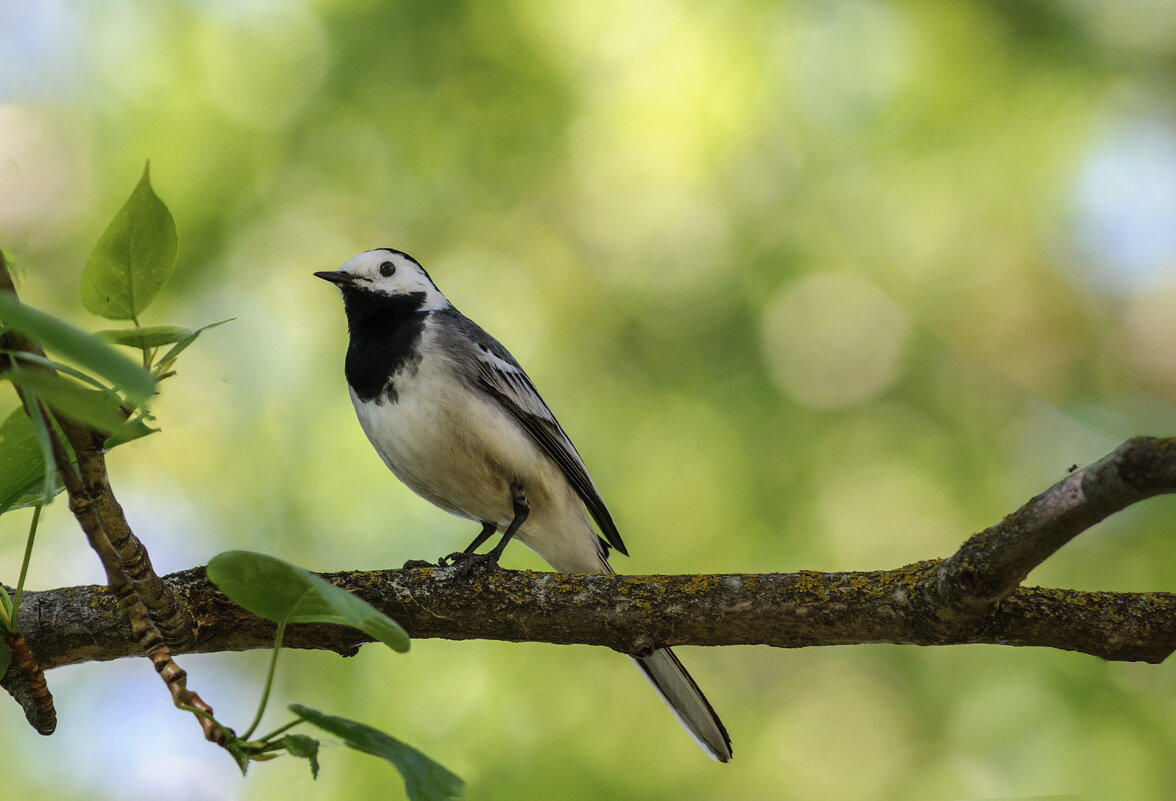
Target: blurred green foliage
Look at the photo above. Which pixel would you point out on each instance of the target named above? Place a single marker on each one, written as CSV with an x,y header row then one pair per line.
x,y
819,285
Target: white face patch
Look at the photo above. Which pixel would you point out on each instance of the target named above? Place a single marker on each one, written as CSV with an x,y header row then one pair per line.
x,y
393,273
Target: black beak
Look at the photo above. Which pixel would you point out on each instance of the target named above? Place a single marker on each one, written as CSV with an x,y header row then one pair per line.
x,y
336,277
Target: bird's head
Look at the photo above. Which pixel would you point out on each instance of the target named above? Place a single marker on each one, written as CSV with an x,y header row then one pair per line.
x,y
386,272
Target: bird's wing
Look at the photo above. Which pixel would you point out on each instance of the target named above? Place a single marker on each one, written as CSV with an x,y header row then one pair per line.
x,y
504,380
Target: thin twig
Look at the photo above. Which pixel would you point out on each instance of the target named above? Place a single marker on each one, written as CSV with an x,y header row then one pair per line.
x,y
993,563
171,616
87,499
143,628
25,681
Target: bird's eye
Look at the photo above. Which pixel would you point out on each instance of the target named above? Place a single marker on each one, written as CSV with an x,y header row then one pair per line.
x,y
387,268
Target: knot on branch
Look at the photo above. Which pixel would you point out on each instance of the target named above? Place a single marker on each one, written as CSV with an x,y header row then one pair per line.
x,y
81,505
961,590
641,645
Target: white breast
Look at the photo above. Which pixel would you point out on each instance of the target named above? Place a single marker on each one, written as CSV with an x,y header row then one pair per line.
x,y
456,447
450,444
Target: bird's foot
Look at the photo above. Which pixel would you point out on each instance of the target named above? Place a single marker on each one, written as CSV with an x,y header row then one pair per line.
x,y
467,563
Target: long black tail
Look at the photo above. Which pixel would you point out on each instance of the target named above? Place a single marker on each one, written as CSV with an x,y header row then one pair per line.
x,y
686,701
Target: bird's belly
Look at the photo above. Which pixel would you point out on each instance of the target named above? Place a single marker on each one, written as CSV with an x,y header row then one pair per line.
x,y
455,450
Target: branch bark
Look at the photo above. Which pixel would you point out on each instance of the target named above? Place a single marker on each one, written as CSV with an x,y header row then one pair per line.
x,y
974,596
634,614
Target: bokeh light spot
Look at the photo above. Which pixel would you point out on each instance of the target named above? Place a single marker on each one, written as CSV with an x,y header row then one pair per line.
x,y
1126,205
833,340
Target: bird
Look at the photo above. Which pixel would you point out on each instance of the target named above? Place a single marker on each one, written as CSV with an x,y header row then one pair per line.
x,y
454,416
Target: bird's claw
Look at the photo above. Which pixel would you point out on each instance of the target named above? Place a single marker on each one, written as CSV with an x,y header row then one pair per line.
x,y
467,563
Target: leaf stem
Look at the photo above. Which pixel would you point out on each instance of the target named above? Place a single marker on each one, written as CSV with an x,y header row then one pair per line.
x,y
281,729
24,566
269,681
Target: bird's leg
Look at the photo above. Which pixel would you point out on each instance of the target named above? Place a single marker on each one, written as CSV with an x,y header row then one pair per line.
x,y
460,556
487,530
469,560
521,510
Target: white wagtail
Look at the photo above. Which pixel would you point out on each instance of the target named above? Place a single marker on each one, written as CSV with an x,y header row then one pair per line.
x,y
454,416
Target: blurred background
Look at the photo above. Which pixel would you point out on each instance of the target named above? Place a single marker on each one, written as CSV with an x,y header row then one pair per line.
x,y
812,285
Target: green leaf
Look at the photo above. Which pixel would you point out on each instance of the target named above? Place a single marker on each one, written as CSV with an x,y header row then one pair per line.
x,y
424,779
154,336
22,461
184,342
95,408
41,425
241,753
25,359
133,258
279,591
303,747
76,345
22,464
131,431
147,337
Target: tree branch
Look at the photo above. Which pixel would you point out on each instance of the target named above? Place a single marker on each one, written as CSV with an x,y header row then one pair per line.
x,y
992,564
971,597
634,614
